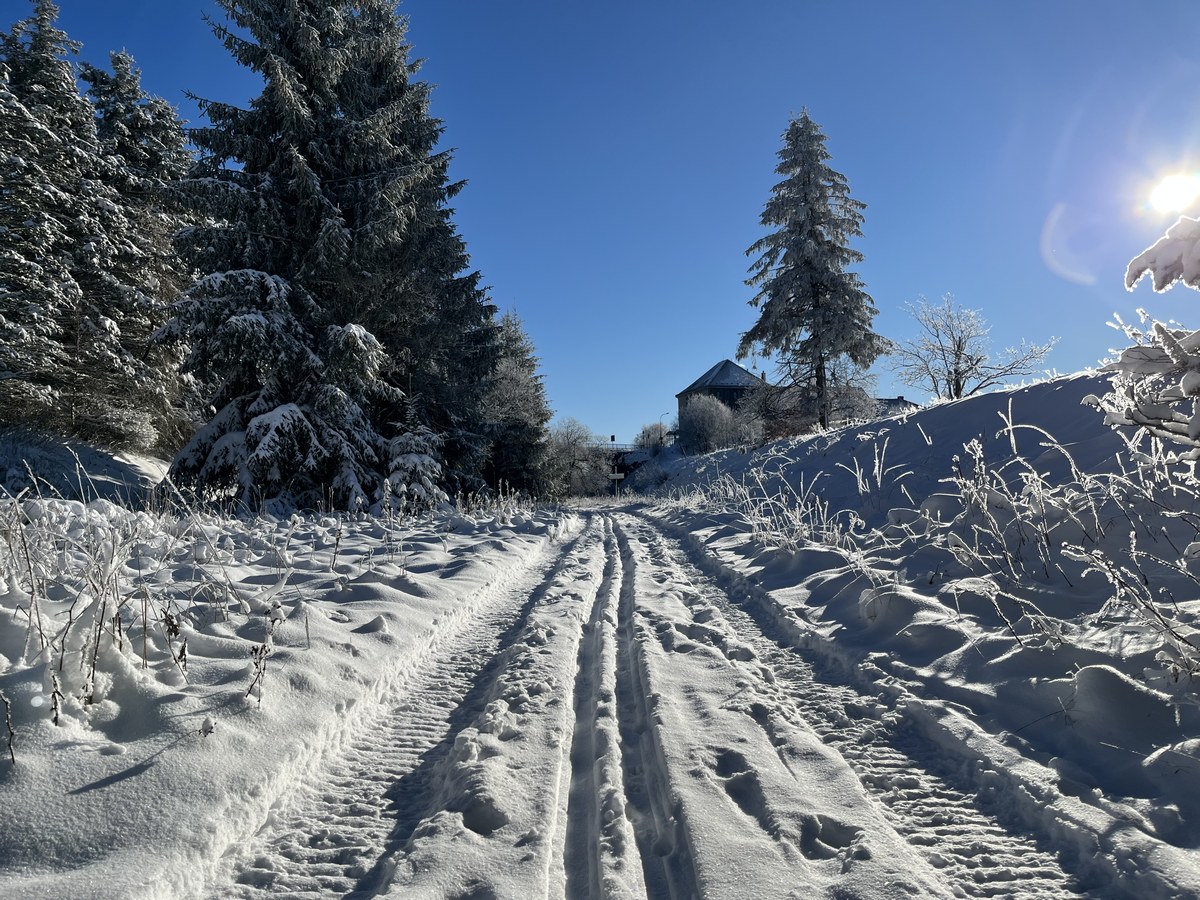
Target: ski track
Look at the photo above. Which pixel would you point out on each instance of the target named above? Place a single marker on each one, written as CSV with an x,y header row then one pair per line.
x,y
933,804
340,835
659,828
624,832
600,851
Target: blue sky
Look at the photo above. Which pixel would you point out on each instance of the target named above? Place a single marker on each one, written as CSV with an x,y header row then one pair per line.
x,y
618,156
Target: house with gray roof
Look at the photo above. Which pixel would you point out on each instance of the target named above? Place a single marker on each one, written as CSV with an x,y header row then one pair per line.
x,y
727,381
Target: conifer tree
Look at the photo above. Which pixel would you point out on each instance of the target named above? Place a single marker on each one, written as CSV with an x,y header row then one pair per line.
x,y
143,142
331,265
812,310
517,412
73,295
415,468
145,132
430,311
33,288
293,382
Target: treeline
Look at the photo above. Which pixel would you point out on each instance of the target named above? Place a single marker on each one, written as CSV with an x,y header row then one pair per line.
x,y
280,297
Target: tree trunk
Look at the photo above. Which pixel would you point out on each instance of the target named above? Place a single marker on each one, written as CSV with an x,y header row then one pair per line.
x,y
822,390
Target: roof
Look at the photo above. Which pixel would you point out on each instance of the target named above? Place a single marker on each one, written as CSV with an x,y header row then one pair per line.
x,y
896,404
725,374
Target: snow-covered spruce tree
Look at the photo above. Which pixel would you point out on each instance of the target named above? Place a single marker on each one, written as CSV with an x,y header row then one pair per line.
x,y
430,312
142,137
811,309
74,293
414,468
297,380
329,255
517,413
33,287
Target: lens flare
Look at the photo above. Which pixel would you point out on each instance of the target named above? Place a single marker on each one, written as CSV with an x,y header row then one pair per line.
x,y
1175,193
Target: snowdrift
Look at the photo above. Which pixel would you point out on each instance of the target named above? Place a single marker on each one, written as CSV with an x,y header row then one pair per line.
x,y
168,677
1021,576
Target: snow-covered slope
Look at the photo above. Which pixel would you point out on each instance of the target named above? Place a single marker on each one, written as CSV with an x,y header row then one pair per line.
x,y
1026,595
40,465
200,669
905,458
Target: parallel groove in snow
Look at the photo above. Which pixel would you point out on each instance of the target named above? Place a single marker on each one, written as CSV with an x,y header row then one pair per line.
x,y
661,835
581,860
599,857
977,854
342,837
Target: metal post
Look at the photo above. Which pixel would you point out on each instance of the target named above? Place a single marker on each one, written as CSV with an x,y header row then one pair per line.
x,y
612,441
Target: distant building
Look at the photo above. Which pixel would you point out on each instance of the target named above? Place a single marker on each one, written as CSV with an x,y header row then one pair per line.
x,y
894,406
730,383
727,381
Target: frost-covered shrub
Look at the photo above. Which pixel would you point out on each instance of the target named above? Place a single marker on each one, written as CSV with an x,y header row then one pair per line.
x,y
576,464
1156,384
652,437
68,608
774,411
649,476
1057,554
1155,395
706,424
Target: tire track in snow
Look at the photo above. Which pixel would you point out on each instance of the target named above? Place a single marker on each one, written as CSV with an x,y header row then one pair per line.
x,y
937,809
343,836
600,854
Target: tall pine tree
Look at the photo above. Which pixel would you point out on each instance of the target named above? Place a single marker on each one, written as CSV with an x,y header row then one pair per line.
x,y
813,312
430,311
145,149
75,297
330,261
517,413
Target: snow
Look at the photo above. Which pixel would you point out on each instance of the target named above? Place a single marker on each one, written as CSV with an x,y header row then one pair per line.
x,y
896,660
1174,257
141,791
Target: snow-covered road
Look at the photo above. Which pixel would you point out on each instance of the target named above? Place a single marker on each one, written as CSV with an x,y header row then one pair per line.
x,y
740,687
626,716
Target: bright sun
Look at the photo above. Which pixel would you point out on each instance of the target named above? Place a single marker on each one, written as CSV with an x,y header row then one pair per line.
x,y
1175,193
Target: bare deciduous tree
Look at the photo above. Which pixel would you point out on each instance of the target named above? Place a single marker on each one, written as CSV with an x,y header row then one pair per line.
x,y
652,437
951,354
576,464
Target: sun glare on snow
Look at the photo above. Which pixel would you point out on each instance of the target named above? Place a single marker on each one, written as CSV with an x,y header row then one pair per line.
x,y
1175,193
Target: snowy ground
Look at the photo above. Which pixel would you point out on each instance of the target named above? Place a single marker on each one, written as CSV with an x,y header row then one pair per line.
x,y
884,684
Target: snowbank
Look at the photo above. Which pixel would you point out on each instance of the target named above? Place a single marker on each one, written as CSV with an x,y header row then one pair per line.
x,y
199,668
1014,575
